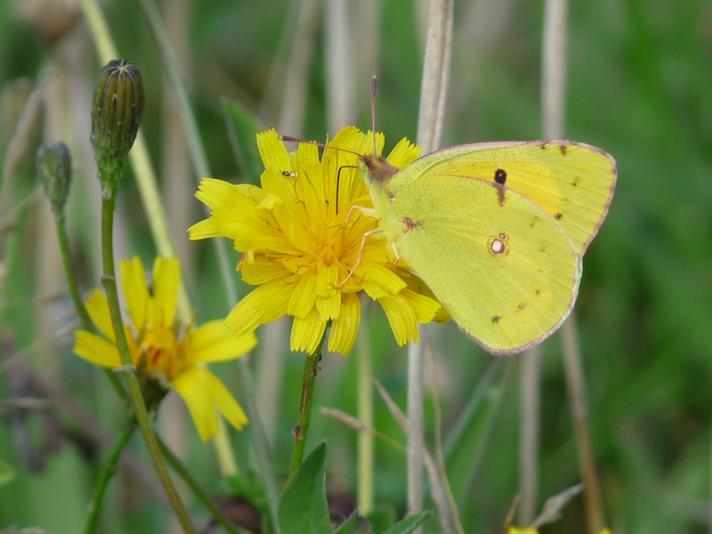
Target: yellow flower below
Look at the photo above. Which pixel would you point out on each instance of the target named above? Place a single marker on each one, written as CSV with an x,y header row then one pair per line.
x,y
299,238
172,354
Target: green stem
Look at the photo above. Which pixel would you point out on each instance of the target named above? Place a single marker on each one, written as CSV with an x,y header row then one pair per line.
x,y
197,490
226,458
311,367
69,272
108,204
199,160
76,297
107,471
365,415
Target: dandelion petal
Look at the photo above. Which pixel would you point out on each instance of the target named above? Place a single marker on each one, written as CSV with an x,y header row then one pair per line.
x,y
98,309
213,342
96,349
133,281
195,391
345,327
307,332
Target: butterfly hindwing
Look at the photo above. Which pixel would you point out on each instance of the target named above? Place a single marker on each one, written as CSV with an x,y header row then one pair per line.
x,y
500,264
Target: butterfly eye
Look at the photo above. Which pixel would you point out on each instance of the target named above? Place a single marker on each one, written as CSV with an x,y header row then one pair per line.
x,y
500,176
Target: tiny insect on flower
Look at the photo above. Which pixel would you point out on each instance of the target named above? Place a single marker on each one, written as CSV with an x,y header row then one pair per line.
x,y
300,236
165,353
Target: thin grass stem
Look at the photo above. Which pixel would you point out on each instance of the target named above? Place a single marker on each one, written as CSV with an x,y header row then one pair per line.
x,y
365,416
436,64
200,165
197,490
555,39
577,405
146,180
140,162
81,310
529,391
107,472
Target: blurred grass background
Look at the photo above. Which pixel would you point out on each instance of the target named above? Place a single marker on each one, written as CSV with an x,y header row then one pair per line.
x,y
639,86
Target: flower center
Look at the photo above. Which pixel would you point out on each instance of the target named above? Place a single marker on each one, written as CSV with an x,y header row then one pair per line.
x,y
159,351
327,255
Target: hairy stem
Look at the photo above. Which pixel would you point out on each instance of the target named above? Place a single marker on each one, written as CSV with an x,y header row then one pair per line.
x,y
311,368
109,281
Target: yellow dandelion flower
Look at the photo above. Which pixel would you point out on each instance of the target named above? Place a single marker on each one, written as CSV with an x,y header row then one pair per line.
x,y
162,349
300,238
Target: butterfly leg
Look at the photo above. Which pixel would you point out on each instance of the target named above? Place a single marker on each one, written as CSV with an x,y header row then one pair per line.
x,y
360,255
368,212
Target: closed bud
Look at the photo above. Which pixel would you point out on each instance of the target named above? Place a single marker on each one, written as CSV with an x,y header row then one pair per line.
x,y
54,165
115,117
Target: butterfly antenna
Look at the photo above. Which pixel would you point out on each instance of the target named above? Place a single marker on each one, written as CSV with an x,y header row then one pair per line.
x,y
290,139
374,86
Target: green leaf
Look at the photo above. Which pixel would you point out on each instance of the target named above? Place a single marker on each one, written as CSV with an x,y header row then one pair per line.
x,y
408,524
348,526
7,473
303,509
381,518
242,127
466,444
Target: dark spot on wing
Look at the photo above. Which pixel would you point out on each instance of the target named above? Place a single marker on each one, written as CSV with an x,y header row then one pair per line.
x,y
559,216
537,291
535,220
542,248
576,181
496,318
289,174
410,224
500,193
500,176
521,306
563,149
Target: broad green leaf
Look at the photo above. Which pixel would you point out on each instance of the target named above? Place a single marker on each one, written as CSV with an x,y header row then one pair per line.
x,y
408,524
303,509
242,128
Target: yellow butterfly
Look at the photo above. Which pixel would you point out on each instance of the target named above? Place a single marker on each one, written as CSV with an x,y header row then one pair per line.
x,y
497,230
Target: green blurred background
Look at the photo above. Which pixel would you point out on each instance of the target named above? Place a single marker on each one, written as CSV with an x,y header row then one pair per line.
x,y
639,85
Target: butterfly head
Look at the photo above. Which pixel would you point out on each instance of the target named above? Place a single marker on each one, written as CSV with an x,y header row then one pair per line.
x,y
379,170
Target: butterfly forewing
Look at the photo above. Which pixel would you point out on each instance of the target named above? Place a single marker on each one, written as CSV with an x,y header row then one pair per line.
x,y
572,182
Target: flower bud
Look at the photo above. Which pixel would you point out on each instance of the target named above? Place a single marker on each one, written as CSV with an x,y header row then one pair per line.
x,y
54,165
115,117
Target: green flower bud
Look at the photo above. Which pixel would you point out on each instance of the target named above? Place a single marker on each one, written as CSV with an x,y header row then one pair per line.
x,y
54,165
115,117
